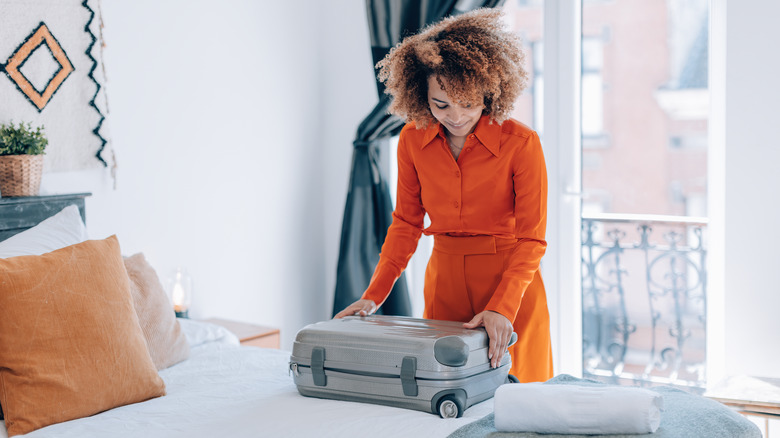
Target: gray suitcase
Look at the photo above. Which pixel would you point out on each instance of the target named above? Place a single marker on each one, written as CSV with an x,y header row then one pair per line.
x,y
428,365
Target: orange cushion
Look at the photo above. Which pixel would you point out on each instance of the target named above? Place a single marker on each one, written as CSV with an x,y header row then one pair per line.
x,y
167,343
71,345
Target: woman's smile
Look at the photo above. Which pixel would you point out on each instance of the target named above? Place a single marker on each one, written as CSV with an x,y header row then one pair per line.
x,y
459,120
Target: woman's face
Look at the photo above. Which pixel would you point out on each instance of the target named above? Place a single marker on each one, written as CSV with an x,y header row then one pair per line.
x,y
459,120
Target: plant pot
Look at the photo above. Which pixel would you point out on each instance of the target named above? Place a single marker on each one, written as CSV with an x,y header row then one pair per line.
x,y
20,175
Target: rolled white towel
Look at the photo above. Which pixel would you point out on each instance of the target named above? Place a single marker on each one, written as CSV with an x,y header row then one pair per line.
x,y
573,409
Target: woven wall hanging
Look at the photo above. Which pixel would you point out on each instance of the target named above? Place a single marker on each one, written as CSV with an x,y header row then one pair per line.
x,y
51,74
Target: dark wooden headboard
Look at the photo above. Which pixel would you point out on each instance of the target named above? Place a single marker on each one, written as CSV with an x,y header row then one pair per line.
x,y
19,214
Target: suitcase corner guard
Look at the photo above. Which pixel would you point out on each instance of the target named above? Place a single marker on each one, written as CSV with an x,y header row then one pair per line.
x,y
451,351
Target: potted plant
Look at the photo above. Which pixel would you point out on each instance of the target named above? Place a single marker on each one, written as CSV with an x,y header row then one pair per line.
x,y
21,159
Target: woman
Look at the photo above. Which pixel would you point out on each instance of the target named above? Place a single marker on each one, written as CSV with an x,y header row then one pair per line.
x,y
481,178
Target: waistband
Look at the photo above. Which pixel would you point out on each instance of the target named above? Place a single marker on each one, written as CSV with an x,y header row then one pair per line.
x,y
472,244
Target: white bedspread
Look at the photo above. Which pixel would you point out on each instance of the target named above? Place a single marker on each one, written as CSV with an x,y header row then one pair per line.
x,y
224,390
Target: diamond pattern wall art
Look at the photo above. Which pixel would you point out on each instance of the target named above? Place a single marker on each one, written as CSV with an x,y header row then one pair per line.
x,y
40,41
51,74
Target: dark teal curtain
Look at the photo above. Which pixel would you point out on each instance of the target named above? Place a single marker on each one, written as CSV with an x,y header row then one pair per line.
x,y
367,213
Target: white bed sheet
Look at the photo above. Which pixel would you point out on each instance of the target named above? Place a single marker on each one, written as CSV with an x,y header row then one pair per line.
x,y
225,390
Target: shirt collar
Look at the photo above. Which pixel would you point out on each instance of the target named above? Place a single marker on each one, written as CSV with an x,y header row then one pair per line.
x,y
489,134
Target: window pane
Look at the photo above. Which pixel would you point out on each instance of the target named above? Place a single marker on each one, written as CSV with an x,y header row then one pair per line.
x,y
645,106
644,156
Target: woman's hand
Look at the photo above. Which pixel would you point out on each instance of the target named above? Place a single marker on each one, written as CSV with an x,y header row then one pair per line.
x,y
499,331
359,307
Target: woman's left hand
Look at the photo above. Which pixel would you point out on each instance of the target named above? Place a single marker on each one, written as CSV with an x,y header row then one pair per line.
x,y
499,330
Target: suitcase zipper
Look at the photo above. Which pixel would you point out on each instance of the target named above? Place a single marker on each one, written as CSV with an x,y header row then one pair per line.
x,y
295,369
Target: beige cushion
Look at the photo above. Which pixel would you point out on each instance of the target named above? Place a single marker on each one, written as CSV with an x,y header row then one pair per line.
x,y
71,345
167,344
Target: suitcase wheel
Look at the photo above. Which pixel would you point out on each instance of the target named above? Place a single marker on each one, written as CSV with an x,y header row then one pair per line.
x,y
512,379
450,407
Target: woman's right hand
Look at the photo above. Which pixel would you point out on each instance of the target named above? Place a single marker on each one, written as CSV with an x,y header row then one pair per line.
x,y
359,307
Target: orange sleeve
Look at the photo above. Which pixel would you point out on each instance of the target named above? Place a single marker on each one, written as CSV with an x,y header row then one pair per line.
x,y
404,231
530,186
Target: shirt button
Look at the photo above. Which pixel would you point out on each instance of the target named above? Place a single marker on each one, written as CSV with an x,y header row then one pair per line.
x,y
457,174
455,204
468,149
471,136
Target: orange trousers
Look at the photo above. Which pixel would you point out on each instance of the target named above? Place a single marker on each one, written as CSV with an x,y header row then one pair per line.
x,y
460,279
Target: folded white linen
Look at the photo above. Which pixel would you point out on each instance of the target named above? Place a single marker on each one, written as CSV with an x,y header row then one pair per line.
x,y
574,409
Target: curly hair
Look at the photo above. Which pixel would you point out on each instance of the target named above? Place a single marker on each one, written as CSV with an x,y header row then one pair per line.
x,y
479,59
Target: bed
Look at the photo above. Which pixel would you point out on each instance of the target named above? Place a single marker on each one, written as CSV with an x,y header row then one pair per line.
x,y
220,388
225,390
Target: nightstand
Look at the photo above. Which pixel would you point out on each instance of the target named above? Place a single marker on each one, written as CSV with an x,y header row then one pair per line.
x,y
250,334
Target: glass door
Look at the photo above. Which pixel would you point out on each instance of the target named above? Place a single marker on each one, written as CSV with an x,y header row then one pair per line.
x,y
645,107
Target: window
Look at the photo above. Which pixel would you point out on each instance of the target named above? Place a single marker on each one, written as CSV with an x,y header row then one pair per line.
x,y
644,185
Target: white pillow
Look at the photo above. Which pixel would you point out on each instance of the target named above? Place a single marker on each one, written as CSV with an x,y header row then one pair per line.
x,y
202,332
63,229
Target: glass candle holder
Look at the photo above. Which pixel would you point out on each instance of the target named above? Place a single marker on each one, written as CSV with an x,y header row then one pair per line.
x,y
181,292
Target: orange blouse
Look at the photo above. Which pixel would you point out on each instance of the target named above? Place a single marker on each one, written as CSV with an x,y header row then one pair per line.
x,y
498,187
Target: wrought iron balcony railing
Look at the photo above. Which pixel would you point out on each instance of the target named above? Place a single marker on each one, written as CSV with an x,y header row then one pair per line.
x,y
644,286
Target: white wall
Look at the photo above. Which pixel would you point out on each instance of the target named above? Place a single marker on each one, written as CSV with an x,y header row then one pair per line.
x,y
348,94
752,212
216,119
